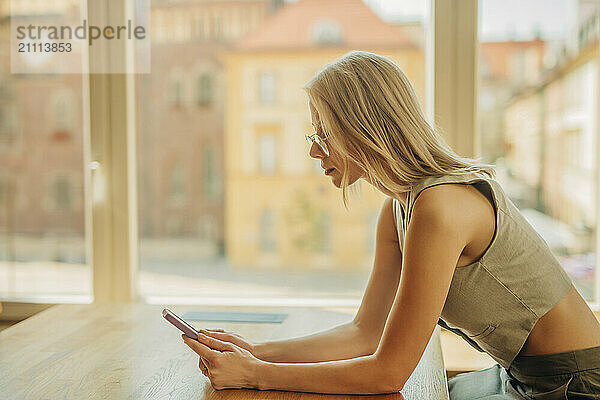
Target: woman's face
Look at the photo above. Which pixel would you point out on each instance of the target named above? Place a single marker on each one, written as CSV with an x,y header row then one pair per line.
x,y
332,164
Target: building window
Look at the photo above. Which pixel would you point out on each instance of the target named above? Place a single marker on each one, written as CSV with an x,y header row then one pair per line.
x,y
8,194
3,195
204,90
208,229
267,154
267,232
217,27
517,67
573,150
198,28
177,186
174,226
61,113
61,193
176,91
8,125
327,32
267,88
209,178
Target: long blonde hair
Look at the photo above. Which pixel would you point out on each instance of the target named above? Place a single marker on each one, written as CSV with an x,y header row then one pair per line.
x,y
371,114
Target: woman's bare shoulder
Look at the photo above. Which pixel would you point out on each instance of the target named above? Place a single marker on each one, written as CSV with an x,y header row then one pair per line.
x,y
459,205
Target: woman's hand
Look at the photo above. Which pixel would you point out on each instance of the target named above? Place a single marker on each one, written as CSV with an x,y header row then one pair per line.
x,y
229,337
225,364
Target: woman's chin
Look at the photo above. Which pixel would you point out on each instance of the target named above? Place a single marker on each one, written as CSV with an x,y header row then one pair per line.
x,y
337,182
336,179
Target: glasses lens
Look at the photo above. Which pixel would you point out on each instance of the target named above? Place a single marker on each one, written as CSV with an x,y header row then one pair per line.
x,y
320,142
322,145
309,139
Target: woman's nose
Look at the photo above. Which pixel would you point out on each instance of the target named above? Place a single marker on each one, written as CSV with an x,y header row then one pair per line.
x,y
316,151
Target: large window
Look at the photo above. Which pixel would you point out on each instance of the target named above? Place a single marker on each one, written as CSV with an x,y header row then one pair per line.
x,y
229,203
538,113
260,218
42,218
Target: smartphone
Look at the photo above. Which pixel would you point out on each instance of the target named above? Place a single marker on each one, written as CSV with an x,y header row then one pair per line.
x,y
180,324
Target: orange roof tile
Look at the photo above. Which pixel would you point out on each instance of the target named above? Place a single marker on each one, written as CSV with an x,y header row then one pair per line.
x,y
292,25
497,55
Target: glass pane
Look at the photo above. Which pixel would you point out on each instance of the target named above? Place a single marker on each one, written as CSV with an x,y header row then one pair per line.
x,y
42,218
538,107
267,88
258,217
268,151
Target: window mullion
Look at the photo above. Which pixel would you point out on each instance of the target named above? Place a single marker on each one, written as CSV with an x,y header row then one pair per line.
x,y
454,75
113,219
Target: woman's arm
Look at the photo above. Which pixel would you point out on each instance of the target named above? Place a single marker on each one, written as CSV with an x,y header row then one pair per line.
x,y
439,230
361,336
229,366
442,224
361,375
338,343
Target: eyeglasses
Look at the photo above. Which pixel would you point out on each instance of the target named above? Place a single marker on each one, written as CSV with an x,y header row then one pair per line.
x,y
315,138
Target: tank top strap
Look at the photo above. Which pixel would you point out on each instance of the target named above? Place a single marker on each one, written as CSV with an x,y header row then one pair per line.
x,y
400,219
430,181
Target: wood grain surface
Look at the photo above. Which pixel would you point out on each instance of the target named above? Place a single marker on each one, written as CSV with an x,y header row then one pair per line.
x,y
128,351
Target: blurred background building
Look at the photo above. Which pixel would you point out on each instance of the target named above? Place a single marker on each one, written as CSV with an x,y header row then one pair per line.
x,y
539,123
229,202
41,151
281,211
180,117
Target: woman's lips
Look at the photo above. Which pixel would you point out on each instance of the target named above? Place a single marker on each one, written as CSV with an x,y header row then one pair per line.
x,y
329,171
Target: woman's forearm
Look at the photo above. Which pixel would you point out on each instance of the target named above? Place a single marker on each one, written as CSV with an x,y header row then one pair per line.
x,y
361,375
338,343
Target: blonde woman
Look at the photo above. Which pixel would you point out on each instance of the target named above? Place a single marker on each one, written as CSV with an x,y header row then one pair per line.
x,y
451,249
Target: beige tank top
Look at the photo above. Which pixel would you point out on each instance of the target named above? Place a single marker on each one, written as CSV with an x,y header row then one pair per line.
x,y
494,302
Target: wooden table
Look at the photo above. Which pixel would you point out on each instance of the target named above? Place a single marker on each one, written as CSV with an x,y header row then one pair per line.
x,y
118,351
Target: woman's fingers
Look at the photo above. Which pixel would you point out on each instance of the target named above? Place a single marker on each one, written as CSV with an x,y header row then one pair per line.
x,y
219,335
201,348
203,366
223,336
215,343
211,330
229,337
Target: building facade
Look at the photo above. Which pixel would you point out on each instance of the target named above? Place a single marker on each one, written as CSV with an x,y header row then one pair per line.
x,y
180,118
552,137
281,211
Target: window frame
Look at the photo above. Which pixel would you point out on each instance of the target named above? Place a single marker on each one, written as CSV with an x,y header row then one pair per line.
x,y
451,81
109,154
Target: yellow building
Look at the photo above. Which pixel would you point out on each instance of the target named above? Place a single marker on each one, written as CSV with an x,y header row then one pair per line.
x,y
281,211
